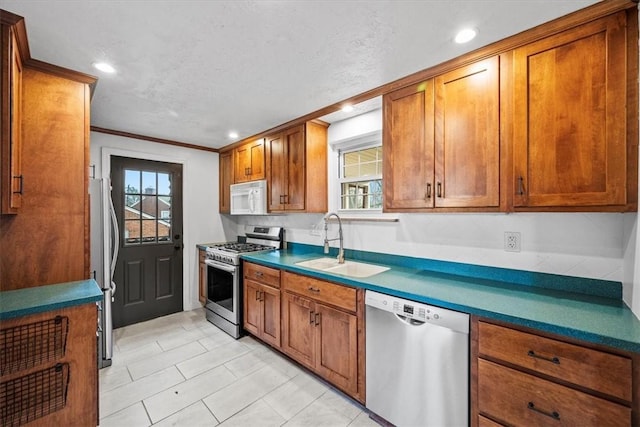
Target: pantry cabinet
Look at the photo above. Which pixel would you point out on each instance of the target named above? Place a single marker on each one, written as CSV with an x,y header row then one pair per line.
x,y
569,117
261,287
297,169
527,379
442,143
249,161
226,179
322,328
11,177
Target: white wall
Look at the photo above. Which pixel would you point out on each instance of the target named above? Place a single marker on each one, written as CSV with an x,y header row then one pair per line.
x,y
591,245
202,222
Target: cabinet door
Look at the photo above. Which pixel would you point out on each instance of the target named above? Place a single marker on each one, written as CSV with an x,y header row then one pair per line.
x,y
252,307
467,136
202,278
337,347
270,315
277,175
295,187
11,146
570,117
226,179
408,147
298,328
250,161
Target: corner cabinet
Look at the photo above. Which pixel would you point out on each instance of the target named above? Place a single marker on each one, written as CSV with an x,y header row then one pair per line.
x,y
297,169
249,161
261,312
570,128
11,112
226,179
527,379
440,150
323,329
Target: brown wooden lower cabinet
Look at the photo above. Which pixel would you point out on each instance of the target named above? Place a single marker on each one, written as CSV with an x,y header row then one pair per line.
x,y
525,379
53,383
317,323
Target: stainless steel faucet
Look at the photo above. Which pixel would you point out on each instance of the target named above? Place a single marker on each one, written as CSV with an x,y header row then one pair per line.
x,y
326,240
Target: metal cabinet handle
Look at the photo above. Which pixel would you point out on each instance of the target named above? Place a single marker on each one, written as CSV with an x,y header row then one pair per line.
x,y
21,178
311,317
317,319
439,189
258,273
520,186
257,295
554,414
312,289
249,171
428,190
553,359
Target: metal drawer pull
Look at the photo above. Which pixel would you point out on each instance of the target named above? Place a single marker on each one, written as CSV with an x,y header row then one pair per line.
x,y
317,319
553,359
312,289
520,186
439,189
311,317
258,273
428,190
555,415
257,295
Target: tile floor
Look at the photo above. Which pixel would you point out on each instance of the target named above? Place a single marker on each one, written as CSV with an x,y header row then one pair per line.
x,y
180,370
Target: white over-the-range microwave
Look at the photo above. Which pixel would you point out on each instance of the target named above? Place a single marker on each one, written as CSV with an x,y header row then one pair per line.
x,y
249,198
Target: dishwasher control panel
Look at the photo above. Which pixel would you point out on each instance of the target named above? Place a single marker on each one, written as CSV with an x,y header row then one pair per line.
x,y
418,311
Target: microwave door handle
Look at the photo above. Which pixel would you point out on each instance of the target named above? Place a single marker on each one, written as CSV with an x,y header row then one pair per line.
x,y
252,201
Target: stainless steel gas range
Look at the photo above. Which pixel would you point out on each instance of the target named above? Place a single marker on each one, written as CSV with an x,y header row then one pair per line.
x,y
224,275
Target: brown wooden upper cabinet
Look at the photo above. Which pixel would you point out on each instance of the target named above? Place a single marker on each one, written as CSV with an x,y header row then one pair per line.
x,y
11,112
297,169
441,141
226,179
249,160
569,117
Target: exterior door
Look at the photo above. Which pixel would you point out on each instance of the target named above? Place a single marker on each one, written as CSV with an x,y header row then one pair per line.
x,y
147,197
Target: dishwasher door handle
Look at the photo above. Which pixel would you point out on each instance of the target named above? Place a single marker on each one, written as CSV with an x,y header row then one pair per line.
x,y
408,321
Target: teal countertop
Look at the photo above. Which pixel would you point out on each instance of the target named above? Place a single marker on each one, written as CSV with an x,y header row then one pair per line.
x,y
23,302
561,305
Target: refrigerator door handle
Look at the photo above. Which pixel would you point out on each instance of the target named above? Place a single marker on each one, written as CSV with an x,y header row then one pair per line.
x,y
115,243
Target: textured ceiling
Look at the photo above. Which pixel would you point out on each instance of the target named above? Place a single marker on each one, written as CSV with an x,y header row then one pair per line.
x,y
192,71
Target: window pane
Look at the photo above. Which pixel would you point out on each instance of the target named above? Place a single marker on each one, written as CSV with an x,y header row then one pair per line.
x,y
149,206
132,202
148,230
368,169
131,181
164,231
164,184
351,171
149,182
131,232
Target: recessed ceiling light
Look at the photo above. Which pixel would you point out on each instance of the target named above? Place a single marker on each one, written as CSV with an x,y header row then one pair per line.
x,y
233,135
465,35
104,67
347,108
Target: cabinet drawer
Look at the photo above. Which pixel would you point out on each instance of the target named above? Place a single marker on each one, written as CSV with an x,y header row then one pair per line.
x,y
516,398
330,293
265,275
593,369
486,422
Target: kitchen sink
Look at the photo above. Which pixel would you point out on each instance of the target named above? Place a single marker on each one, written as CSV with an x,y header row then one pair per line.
x,y
349,268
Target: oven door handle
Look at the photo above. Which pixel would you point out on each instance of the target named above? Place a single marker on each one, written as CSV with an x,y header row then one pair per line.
x,y
221,266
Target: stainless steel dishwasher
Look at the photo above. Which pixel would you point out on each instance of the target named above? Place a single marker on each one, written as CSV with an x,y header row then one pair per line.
x,y
417,362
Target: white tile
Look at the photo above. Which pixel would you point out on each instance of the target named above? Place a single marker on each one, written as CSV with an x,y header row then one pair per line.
x,y
113,377
246,364
281,363
179,338
244,392
214,337
134,415
331,410
122,397
293,396
256,415
133,354
163,360
196,415
211,359
340,404
182,395
363,420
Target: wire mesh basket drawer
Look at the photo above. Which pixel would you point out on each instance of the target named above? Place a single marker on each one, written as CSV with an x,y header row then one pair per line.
x,y
25,399
25,346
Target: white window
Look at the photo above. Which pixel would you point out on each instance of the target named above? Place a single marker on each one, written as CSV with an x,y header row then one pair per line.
x,y
360,178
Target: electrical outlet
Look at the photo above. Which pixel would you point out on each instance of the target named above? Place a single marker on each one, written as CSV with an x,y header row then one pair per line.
x,y
512,241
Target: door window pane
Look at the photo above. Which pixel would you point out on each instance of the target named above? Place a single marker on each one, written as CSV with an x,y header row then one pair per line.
x,y
164,184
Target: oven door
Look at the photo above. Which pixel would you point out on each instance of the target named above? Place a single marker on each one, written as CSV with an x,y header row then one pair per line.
x,y
223,290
